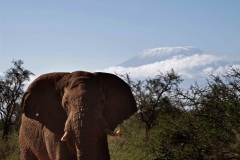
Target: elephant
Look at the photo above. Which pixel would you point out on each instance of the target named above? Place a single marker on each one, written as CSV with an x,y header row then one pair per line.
x,y
68,115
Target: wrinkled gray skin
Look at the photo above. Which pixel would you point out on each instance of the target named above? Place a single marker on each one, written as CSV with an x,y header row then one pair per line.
x,y
68,115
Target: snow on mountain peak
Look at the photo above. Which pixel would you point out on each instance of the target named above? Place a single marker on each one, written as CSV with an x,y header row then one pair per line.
x,y
159,54
170,51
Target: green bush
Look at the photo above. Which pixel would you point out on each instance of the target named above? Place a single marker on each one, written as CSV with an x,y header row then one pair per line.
x,y
127,146
9,150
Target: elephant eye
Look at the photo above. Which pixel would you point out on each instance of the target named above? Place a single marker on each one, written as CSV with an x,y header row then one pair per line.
x,y
74,85
76,82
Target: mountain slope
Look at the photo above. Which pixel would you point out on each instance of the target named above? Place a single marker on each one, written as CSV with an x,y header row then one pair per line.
x,y
159,54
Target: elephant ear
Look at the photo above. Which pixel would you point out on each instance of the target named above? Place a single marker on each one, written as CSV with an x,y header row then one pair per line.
x,y
119,101
42,99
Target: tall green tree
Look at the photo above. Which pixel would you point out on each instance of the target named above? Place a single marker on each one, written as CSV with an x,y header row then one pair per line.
x,y
11,90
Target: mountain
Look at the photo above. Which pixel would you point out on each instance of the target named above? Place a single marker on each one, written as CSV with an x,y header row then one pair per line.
x,y
159,54
189,62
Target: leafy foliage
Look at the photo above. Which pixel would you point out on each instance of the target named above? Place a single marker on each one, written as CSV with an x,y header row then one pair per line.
x,y
11,89
9,150
154,96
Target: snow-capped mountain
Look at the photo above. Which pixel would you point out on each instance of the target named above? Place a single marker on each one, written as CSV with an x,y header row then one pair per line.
x,y
159,54
187,61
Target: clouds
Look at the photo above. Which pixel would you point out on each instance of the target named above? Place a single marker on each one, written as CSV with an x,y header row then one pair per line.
x,y
190,67
220,69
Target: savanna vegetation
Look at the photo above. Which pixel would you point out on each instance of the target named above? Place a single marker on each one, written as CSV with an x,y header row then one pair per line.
x,y
172,122
201,122
11,91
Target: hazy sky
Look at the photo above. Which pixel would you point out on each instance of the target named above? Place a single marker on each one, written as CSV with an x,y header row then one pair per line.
x,y
68,35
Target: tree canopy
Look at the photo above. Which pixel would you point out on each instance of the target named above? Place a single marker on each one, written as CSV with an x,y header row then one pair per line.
x,y
11,89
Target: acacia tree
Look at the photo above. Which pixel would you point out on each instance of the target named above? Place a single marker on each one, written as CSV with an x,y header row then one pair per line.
x,y
154,96
209,129
11,89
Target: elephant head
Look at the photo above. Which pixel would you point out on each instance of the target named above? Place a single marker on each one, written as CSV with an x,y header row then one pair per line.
x,y
80,108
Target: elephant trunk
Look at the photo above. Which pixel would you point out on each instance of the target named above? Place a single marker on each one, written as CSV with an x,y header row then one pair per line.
x,y
85,154
85,138
87,128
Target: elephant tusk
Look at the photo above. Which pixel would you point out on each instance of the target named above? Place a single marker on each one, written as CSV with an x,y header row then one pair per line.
x,y
64,137
118,132
112,133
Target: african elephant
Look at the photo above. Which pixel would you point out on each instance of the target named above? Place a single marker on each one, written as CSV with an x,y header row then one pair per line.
x,y
68,115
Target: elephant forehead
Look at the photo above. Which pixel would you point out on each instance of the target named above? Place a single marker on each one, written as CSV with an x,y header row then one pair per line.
x,y
85,86
86,99
85,95
81,79
86,91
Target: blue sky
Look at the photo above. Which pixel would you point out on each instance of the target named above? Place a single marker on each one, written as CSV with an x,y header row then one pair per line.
x,y
68,35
